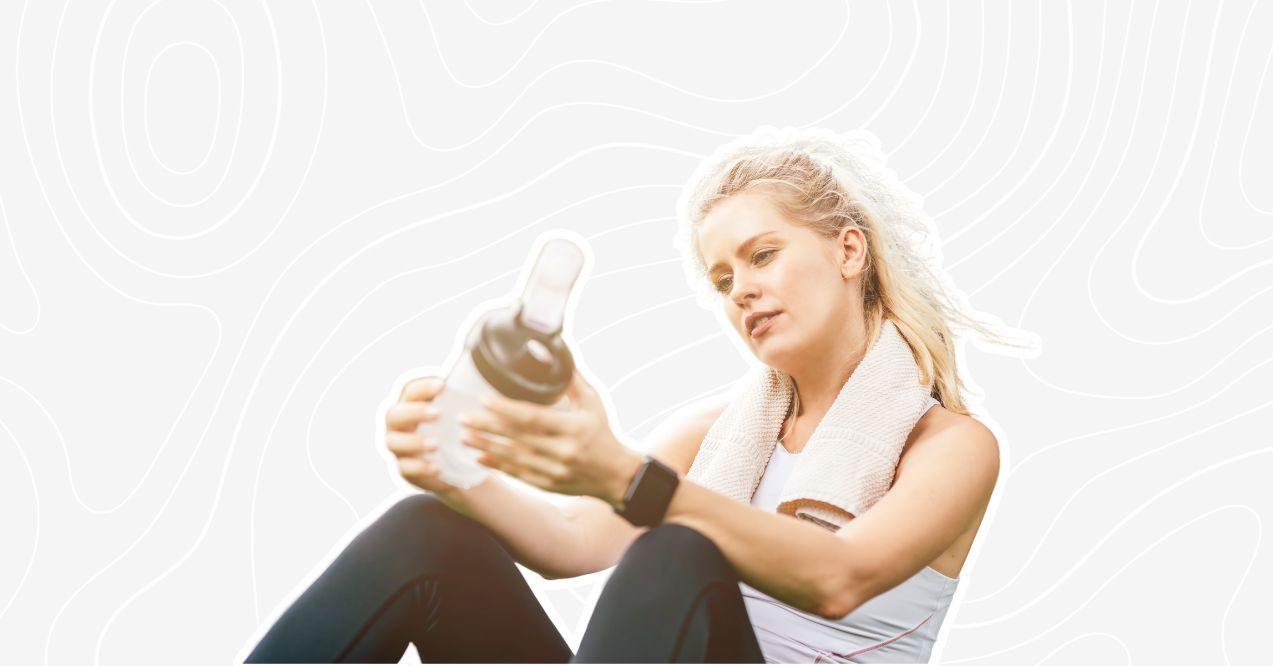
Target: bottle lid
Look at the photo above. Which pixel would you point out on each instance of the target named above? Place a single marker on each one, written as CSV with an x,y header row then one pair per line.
x,y
521,362
543,303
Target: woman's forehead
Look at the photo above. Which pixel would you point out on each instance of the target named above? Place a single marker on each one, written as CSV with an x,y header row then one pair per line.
x,y
743,208
736,222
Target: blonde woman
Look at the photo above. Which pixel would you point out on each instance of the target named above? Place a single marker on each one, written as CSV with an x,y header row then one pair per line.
x,y
727,547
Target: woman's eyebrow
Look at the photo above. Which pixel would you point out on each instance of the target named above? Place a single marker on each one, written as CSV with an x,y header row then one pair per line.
x,y
742,249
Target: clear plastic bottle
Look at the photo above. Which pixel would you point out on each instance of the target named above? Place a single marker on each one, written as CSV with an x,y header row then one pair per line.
x,y
516,351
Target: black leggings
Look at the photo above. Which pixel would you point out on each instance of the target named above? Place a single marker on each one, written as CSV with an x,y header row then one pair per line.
x,y
426,574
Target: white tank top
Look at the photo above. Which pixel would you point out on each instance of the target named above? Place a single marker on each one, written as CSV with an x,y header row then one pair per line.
x,y
898,626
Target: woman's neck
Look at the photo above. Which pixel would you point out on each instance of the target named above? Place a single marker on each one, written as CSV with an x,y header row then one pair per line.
x,y
818,386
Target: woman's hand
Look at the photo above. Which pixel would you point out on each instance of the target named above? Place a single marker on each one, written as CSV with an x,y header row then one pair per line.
x,y
414,451
569,452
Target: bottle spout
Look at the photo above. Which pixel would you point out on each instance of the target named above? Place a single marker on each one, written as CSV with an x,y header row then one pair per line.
x,y
551,280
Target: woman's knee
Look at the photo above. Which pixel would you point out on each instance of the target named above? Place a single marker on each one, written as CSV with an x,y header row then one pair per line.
x,y
666,578
417,509
673,538
424,522
674,549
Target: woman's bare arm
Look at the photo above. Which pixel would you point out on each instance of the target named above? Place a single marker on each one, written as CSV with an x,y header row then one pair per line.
x,y
534,531
566,536
831,573
942,486
675,443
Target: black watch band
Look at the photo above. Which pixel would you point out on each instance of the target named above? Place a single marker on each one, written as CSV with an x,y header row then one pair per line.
x,y
648,496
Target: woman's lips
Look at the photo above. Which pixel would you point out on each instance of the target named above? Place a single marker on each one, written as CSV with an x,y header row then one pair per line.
x,y
761,329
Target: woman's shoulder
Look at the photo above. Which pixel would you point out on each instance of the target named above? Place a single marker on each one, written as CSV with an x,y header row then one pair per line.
x,y
952,432
954,456
676,441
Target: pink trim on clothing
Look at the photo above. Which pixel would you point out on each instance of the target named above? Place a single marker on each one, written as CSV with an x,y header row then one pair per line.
x,y
820,653
880,645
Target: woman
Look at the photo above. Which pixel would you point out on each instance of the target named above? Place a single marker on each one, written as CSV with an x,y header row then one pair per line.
x,y
804,241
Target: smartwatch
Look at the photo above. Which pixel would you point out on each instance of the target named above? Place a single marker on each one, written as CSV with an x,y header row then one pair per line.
x,y
649,494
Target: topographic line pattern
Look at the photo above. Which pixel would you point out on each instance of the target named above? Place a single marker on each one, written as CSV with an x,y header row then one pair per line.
x,y
227,229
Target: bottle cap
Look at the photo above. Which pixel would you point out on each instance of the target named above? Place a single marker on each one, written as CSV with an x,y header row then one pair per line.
x,y
518,361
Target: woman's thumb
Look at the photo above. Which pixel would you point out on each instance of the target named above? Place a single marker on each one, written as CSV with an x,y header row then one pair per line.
x,y
579,392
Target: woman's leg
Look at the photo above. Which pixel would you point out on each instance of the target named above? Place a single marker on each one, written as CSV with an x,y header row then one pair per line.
x,y
422,573
673,598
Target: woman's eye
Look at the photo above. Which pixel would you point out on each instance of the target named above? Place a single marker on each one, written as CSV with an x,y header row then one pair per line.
x,y
722,285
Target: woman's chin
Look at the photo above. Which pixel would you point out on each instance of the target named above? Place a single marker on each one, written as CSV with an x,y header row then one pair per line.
x,y
772,353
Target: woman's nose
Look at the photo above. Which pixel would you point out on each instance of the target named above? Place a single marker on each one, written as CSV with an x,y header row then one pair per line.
x,y
743,290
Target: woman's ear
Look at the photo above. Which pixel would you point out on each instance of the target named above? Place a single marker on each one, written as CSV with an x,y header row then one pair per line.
x,y
852,251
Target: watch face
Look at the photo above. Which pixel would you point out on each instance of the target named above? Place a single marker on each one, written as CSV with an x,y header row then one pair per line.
x,y
651,493
665,480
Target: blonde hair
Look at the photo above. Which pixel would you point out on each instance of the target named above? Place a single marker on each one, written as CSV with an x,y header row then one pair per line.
x,y
826,181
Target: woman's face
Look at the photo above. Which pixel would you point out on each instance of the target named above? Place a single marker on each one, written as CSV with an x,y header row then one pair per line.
x,y
760,263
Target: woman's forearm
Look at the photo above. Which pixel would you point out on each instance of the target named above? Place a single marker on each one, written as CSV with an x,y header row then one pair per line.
x,y
793,561
534,530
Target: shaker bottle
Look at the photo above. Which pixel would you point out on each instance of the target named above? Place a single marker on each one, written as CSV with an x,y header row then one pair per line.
x,y
515,350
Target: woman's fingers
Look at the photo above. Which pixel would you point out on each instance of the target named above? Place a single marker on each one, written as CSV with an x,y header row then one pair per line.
x,y
422,389
485,441
405,416
409,444
415,467
526,416
528,474
501,451
492,424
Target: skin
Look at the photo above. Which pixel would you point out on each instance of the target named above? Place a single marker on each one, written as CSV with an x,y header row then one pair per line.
x,y
816,282
929,517
572,453
813,281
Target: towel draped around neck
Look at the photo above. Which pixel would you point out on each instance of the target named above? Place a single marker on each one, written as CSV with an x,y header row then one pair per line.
x,y
848,463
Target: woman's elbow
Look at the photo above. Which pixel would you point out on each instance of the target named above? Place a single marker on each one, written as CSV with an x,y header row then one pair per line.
x,y
851,587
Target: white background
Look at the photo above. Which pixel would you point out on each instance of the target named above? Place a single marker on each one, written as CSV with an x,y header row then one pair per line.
x,y
228,228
